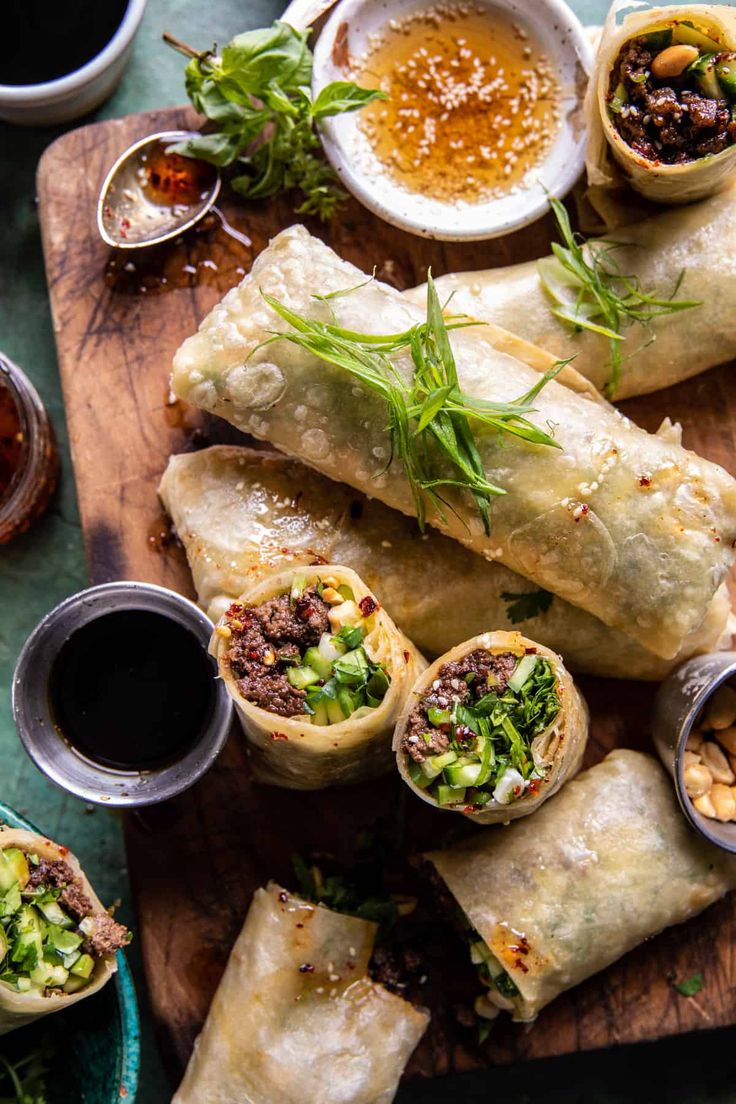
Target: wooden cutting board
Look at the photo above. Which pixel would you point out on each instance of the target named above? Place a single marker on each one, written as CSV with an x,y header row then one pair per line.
x,y
195,861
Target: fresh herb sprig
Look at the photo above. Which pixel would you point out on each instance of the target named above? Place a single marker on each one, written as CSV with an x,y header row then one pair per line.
x,y
257,95
429,417
341,894
23,1080
591,292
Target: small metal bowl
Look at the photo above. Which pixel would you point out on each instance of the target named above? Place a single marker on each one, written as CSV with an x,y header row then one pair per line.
x,y
677,706
54,756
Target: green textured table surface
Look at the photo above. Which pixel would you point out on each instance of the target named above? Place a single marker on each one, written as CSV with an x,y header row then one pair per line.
x,y
48,563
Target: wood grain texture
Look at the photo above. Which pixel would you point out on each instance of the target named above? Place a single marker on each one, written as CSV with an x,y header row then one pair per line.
x,y
195,862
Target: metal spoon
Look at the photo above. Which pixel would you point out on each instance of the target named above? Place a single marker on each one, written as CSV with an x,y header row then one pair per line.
x,y
149,197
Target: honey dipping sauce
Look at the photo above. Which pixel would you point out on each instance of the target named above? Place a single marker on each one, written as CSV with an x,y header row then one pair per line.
x,y
473,103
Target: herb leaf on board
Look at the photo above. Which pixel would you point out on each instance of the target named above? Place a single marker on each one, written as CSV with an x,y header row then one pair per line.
x,y
690,986
258,97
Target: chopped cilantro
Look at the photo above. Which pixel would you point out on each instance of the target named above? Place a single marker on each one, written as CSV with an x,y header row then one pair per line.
x,y
525,605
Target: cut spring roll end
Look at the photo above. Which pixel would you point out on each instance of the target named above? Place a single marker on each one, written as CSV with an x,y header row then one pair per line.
x,y
661,101
57,942
492,729
318,672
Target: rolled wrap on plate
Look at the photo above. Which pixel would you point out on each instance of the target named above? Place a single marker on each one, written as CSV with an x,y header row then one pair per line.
x,y
624,524
698,241
667,135
296,1017
492,729
606,864
58,945
243,514
318,673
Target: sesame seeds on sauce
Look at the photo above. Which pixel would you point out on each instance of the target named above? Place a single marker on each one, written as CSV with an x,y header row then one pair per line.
x,y
473,104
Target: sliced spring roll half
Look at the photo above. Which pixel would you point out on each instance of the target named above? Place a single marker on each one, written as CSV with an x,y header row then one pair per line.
x,y
318,672
243,514
296,1017
492,729
620,522
58,945
606,864
660,101
697,243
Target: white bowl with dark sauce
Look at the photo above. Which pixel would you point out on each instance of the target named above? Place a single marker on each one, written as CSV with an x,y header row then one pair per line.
x,y
484,116
61,61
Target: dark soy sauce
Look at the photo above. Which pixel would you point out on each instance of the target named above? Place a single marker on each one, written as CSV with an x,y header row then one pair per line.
x,y
46,39
132,690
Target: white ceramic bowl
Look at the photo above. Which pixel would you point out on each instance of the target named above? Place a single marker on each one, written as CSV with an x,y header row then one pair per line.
x,y
66,98
559,34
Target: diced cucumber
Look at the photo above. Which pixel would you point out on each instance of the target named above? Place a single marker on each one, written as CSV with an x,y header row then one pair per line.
x,y
74,984
687,33
619,98
346,701
429,770
23,984
4,945
353,664
335,714
331,647
65,942
54,913
461,775
524,669
10,901
439,717
302,677
83,967
726,73
314,658
704,71
319,717
69,959
439,762
13,868
446,795
418,777
377,687
346,592
478,797
48,976
28,921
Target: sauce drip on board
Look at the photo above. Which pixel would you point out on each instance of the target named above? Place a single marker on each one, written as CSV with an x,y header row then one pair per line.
x,y
132,690
473,104
11,440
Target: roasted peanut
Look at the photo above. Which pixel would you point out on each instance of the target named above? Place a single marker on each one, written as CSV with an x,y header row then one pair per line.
x,y
694,741
717,763
727,739
720,711
331,597
704,805
690,758
674,60
698,780
724,802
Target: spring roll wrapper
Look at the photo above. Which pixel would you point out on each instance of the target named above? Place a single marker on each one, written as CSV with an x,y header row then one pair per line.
x,y
620,522
699,240
560,746
274,1034
609,160
17,1009
607,863
293,752
243,515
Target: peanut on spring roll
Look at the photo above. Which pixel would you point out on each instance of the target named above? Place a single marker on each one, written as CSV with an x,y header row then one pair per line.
x,y
243,514
609,862
318,672
342,372
296,1017
58,945
492,729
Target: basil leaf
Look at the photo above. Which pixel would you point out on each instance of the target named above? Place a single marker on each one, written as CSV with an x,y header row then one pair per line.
x,y
343,96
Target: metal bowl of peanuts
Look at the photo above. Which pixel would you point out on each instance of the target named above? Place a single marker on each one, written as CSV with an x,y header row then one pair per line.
x,y
694,730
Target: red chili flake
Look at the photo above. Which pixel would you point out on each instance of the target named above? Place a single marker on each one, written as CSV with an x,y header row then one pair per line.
x,y
368,605
407,657
584,511
534,786
279,736
530,651
644,481
304,609
300,925
471,808
306,968
350,965
517,790
522,966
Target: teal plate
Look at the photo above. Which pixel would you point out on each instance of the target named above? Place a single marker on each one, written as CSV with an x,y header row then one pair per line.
x,y
95,1045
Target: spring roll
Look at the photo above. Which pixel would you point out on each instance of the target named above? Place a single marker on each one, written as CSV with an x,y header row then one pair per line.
x,y
318,673
660,99
607,863
58,945
243,514
624,524
492,729
698,242
296,1017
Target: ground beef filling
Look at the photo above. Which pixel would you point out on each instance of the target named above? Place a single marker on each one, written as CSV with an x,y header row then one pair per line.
x,y
421,740
272,636
666,120
106,935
